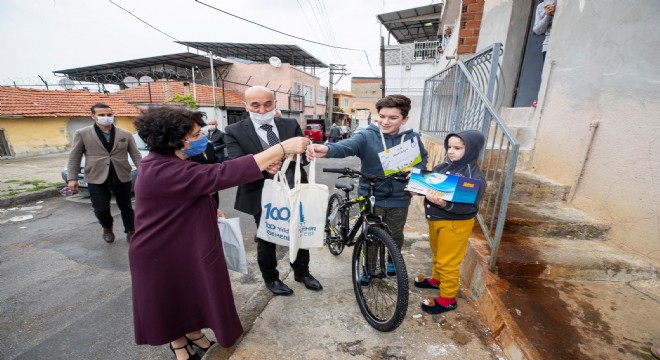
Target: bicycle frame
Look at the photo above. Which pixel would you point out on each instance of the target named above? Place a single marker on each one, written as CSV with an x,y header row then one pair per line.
x,y
367,218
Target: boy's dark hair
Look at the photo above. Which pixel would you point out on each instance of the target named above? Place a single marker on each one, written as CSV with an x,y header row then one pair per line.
x,y
395,101
98,106
164,129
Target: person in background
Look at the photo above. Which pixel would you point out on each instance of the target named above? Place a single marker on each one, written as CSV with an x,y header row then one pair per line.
x,y
208,156
180,282
107,170
545,12
251,136
334,134
451,223
392,201
216,139
444,40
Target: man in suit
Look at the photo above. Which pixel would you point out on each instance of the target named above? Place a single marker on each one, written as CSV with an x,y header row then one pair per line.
x,y
216,139
107,170
251,136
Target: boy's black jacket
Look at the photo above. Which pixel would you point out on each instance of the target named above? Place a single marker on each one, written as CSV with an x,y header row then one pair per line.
x,y
467,167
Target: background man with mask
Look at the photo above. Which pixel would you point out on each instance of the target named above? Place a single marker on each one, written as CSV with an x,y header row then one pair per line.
x,y
252,136
107,170
217,139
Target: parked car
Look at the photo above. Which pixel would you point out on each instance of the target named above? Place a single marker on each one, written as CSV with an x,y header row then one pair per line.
x,y
359,128
82,184
345,132
314,132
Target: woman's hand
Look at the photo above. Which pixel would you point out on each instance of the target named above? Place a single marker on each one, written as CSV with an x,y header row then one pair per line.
x,y
434,197
274,167
296,145
316,150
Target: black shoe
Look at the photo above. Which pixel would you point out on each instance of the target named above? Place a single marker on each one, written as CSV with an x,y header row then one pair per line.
x,y
310,282
277,287
129,235
191,342
191,356
108,235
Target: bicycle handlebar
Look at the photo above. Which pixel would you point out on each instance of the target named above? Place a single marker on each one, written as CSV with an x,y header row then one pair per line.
x,y
400,176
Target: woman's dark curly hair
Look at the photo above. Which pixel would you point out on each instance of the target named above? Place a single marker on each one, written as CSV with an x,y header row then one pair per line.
x,y
400,102
164,129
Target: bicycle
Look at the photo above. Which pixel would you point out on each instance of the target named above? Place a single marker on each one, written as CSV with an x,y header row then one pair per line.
x,y
381,295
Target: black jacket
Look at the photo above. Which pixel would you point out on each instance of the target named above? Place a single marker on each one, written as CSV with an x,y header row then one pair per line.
x,y
242,139
467,167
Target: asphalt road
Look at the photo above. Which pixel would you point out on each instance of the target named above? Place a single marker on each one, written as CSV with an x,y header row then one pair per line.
x,y
66,294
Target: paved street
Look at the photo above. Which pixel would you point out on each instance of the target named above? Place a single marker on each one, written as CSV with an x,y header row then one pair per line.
x,y
66,294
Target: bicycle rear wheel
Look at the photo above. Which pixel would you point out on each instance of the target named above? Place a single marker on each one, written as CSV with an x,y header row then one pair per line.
x,y
383,299
333,224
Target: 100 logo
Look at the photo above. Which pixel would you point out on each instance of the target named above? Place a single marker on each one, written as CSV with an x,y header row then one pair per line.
x,y
276,213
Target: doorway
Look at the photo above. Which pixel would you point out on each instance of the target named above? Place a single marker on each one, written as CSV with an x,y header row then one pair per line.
x,y
529,77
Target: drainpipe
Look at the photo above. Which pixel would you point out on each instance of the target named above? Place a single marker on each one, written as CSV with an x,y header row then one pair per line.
x,y
401,69
583,161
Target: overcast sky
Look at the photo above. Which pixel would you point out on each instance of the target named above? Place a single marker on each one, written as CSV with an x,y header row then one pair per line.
x,y
40,36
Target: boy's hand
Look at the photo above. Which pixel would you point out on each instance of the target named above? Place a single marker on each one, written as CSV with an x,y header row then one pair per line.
x,y
316,150
434,197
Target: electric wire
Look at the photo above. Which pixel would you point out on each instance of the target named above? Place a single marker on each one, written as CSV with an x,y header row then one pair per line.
x,y
151,26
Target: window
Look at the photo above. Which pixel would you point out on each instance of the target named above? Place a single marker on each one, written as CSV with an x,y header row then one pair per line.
x,y
309,95
297,90
345,105
320,96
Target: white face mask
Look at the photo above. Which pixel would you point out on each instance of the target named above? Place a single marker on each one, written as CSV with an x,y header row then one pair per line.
x,y
212,127
262,119
106,120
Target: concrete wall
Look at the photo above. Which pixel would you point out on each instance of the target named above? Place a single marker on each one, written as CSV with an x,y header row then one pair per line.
x,y
506,22
39,136
603,66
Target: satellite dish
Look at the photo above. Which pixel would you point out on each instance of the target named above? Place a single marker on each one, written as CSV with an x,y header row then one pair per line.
x,y
131,81
146,79
66,84
275,61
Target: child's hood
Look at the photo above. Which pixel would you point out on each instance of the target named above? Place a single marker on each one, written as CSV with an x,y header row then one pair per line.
x,y
473,140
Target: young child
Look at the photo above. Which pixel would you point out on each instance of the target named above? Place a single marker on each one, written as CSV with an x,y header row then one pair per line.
x,y
392,200
451,223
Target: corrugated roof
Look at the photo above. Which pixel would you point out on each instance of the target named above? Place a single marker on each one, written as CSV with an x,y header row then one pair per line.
x,y
164,90
46,103
292,54
416,24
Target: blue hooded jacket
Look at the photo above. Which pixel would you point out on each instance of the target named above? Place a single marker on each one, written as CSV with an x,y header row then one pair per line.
x,y
467,167
366,145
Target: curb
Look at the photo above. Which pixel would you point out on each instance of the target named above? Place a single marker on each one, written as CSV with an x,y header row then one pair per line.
x,y
27,197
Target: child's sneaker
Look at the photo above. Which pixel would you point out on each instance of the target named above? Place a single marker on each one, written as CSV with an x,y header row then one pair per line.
x,y
434,306
429,283
365,280
391,270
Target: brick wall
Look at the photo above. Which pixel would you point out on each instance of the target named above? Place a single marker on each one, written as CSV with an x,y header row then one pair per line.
x,y
471,13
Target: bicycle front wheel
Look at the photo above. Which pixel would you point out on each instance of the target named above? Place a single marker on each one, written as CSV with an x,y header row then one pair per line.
x,y
382,295
333,223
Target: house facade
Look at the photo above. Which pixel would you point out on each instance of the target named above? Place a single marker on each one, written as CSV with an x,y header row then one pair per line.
x,y
366,92
37,122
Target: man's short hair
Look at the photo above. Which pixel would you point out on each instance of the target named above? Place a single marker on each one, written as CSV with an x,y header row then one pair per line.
x,y
98,106
400,102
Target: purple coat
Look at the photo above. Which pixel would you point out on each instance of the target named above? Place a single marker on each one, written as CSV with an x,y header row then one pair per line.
x,y
180,279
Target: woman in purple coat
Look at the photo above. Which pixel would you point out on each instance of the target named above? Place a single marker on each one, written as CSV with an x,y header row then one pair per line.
x,y
180,280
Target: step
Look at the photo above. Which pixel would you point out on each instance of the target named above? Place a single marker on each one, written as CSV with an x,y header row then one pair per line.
x,y
552,220
540,318
561,259
528,187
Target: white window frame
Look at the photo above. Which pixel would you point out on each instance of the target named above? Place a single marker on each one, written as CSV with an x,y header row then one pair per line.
x,y
346,103
308,95
297,88
320,96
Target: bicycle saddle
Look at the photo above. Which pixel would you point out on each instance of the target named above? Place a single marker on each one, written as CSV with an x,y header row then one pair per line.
x,y
344,186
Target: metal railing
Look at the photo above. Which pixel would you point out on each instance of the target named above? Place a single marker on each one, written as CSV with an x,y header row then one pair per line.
x,y
426,50
461,97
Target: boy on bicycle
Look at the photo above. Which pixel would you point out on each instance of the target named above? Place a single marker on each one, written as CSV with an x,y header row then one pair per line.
x,y
450,223
371,147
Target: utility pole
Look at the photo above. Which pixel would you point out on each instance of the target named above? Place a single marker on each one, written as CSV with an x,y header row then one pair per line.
x,y
382,66
335,69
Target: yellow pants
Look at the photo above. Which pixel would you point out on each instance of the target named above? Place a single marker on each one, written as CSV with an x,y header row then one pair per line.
x,y
449,240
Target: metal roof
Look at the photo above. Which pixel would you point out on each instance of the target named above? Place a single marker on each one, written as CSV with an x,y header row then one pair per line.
x,y
173,67
416,24
291,54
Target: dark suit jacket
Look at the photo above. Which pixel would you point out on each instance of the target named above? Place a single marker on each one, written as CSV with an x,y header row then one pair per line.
x,y
242,139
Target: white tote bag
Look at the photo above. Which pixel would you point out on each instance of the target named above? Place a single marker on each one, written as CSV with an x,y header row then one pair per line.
x,y
308,217
232,244
276,209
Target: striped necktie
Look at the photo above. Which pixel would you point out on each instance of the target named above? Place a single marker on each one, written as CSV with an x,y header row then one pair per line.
x,y
270,134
